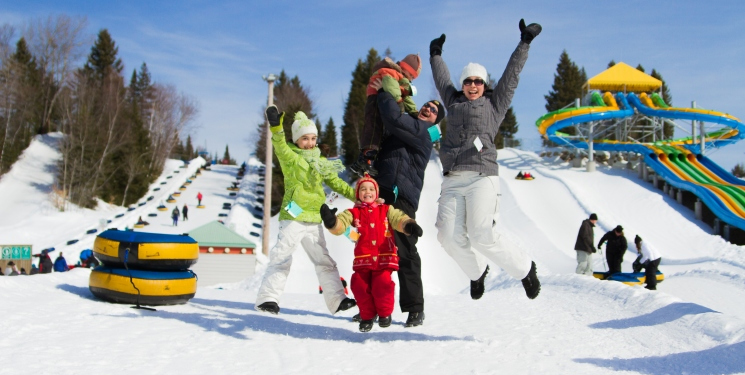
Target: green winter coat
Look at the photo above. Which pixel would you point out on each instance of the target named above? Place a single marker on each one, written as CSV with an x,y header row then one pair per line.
x,y
303,184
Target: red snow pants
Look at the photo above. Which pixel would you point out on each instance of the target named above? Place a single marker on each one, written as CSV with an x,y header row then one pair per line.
x,y
374,292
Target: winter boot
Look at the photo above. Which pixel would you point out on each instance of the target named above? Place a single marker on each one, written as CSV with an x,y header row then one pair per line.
x,y
346,304
477,287
415,319
364,163
366,325
356,318
531,284
270,307
385,322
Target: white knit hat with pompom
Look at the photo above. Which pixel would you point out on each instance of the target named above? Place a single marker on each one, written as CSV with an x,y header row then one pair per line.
x,y
302,126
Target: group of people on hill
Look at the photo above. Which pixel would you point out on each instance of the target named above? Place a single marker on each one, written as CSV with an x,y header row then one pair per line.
x,y
396,144
184,211
45,265
648,258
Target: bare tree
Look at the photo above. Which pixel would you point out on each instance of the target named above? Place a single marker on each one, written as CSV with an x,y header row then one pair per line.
x,y
58,43
172,114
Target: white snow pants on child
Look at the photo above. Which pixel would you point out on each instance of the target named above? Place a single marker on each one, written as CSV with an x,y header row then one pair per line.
x,y
310,236
466,221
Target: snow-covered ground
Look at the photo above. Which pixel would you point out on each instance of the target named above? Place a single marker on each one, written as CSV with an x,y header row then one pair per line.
x,y
693,324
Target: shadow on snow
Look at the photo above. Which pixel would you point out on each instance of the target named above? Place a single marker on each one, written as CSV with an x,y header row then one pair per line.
x,y
662,315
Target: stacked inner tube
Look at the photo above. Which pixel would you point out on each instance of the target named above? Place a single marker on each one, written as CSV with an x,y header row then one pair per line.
x,y
144,268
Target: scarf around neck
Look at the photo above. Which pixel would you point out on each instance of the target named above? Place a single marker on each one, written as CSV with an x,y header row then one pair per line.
x,y
326,168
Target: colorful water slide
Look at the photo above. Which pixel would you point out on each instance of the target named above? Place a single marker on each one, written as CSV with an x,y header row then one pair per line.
x,y
677,161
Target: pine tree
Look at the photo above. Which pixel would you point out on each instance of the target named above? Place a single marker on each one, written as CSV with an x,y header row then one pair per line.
x,y
226,156
189,149
354,110
329,138
567,87
668,129
611,63
739,170
640,68
103,57
507,131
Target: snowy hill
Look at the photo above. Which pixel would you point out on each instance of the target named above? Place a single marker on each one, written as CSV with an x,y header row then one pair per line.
x,y
693,324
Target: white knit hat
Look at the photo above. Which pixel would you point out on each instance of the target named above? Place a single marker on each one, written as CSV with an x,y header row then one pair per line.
x,y
474,70
302,126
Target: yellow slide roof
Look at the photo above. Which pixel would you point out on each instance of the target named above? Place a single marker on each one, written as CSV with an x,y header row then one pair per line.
x,y
621,77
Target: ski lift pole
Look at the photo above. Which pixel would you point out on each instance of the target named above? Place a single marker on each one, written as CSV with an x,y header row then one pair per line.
x,y
268,171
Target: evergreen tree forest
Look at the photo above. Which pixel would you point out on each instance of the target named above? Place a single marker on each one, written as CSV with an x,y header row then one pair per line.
x,y
117,133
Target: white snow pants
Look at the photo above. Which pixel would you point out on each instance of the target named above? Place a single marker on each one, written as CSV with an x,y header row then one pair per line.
x,y
584,263
310,236
466,221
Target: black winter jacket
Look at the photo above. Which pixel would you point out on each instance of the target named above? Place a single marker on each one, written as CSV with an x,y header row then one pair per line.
x,y
585,237
615,243
404,154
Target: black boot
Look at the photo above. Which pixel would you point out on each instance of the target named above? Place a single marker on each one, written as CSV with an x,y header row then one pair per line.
x,y
356,318
366,325
415,319
364,163
270,307
531,284
477,287
346,304
385,322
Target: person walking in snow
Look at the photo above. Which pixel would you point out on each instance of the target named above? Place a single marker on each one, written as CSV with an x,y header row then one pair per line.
x,y
174,215
60,264
585,245
185,212
199,198
650,260
615,249
469,201
375,255
403,157
305,171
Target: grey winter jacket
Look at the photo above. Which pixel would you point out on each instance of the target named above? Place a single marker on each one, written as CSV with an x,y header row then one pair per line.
x,y
586,237
480,118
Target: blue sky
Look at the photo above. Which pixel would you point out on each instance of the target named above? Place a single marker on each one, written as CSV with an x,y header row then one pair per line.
x,y
217,51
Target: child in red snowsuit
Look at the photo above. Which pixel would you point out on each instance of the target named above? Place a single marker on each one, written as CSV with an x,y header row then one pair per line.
x,y
375,253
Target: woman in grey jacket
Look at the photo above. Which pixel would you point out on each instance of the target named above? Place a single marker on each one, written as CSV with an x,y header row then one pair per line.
x,y
469,199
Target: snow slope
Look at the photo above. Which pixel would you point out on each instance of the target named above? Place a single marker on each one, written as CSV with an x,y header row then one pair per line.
x,y
693,324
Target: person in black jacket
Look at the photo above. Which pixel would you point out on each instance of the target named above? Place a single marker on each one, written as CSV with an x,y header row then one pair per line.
x,y
585,245
616,248
403,157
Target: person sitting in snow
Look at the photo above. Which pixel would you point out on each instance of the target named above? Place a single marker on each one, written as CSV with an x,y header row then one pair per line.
x,y
60,264
45,262
395,79
649,258
11,269
375,255
305,171
142,222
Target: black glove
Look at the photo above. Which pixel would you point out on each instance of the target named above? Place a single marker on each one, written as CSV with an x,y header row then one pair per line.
x,y
414,229
328,216
435,46
527,33
599,246
274,116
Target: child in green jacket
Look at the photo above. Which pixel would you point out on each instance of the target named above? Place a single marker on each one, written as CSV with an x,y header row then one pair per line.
x,y
305,171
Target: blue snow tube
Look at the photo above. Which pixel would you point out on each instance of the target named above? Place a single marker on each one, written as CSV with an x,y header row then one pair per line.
x,y
146,251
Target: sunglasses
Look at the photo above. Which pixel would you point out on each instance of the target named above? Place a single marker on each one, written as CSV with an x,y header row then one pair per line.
x,y
432,109
475,82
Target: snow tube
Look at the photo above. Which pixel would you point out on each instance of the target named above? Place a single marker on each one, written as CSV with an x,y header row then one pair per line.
x,y
163,183
153,214
155,288
232,194
156,189
170,201
138,225
201,206
162,208
167,177
141,204
628,278
233,188
254,234
147,251
222,215
176,194
150,198
91,231
72,242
